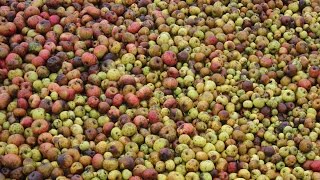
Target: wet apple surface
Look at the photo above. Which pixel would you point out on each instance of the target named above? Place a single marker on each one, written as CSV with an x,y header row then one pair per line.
x,y
168,90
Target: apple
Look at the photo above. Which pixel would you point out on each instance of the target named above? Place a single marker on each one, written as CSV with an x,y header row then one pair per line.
x,y
39,126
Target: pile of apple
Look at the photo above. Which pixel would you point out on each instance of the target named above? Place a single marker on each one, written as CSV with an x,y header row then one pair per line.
x,y
168,90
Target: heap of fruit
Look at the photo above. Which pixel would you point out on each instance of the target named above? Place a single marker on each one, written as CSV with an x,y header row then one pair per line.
x,y
141,89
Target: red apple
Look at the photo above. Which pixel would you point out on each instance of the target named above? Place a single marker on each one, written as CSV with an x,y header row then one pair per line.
x,y
39,126
117,100
66,93
97,161
54,19
134,27
232,167
107,127
154,116
13,61
173,72
11,161
38,61
34,101
22,103
144,93
93,101
4,100
169,58
266,62
89,59
93,90
186,128
111,92
141,121
132,100
305,83
26,121
315,166
170,103
211,40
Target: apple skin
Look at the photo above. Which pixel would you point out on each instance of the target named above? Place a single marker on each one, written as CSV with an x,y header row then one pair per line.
x,y
22,103
113,114
135,178
111,92
31,141
211,40
43,26
13,61
156,127
11,161
97,161
38,61
65,160
144,93
100,51
46,104
93,101
26,121
58,106
54,19
71,94
91,133
186,128
17,173
19,21
16,139
266,62
93,90
232,167
44,137
131,48
126,80
26,86
89,59
44,54
170,103
30,11
117,100
215,66
63,93
315,166
154,116
33,21
305,83
132,100
53,87
141,121
307,164
134,27
107,127
170,83
173,72
35,175
169,58
4,135
314,71
34,101
39,126
17,80
223,175
52,154
151,174
103,107
138,170
4,100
